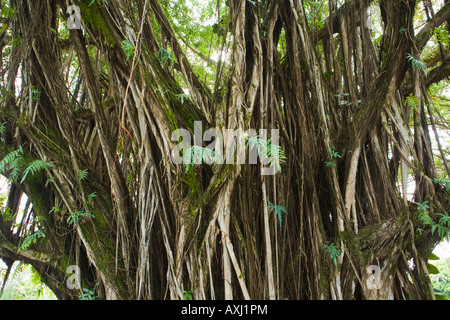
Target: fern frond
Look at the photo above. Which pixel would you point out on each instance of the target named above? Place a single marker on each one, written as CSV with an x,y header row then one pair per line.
x,y
273,152
17,270
34,167
417,64
35,277
198,154
165,56
32,238
412,101
14,162
128,48
82,174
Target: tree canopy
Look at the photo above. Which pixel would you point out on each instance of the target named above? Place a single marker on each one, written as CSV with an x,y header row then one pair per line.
x,y
353,96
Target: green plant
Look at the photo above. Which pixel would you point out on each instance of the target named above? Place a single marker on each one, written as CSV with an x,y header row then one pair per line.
x,y
182,96
13,162
35,166
278,210
89,294
82,174
442,227
91,197
334,154
24,283
128,48
2,127
329,163
75,217
417,64
441,279
165,56
197,154
443,182
423,207
273,152
36,94
32,238
5,211
54,209
187,295
332,251
412,101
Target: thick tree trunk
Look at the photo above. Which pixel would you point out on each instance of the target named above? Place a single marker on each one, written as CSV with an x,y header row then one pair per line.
x,y
151,229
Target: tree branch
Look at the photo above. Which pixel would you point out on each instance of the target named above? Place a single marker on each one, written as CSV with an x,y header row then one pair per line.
x,y
423,36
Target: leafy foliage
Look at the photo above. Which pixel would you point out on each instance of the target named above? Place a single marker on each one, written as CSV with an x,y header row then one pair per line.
x,y
88,295
31,239
278,211
165,56
442,227
34,167
182,97
441,279
273,152
128,48
187,295
197,155
24,283
417,64
423,206
412,101
332,251
76,216
13,162
82,174
443,182
91,196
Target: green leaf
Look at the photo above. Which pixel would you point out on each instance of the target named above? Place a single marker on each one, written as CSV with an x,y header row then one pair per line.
x,y
417,64
445,219
432,269
34,167
332,251
187,295
443,182
75,217
412,101
165,56
13,162
128,48
91,196
82,174
433,257
329,163
182,96
423,207
32,238
278,211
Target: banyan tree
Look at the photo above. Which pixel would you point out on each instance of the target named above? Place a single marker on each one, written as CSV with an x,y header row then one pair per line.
x,y
350,93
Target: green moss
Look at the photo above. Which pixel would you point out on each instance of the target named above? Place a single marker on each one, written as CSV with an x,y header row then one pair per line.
x,y
171,117
93,18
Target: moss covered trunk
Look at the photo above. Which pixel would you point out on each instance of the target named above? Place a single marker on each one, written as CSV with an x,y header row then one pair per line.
x,y
99,106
